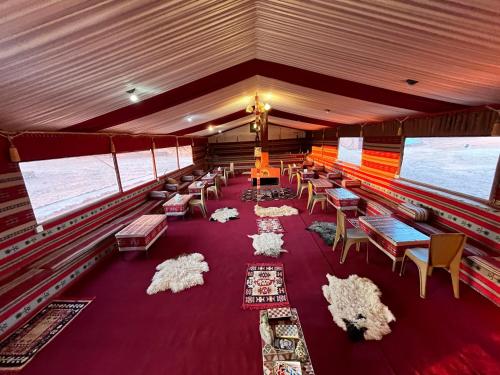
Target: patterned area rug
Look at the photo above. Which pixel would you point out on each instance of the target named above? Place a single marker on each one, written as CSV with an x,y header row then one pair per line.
x,y
269,225
265,286
326,230
20,347
267,194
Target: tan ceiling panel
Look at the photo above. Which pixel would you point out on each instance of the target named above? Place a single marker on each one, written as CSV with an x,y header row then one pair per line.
x,y
65,62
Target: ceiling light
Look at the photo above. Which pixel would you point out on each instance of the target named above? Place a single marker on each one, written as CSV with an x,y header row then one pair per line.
x,y
189,118
411,82
327,110
267,107
210,127
220,131
134,98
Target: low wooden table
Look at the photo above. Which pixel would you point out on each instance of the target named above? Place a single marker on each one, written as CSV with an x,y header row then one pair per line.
x,y
175,207
320,185
344,200
196,187
141,233
307,175
392,236
209,178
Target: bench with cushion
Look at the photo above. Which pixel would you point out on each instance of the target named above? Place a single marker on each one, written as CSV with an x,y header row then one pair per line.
x,y
173,185
30,284
480,268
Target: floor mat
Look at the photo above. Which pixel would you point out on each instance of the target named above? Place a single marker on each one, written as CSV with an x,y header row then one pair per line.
x,y
269,225
265,286
269,194
20,347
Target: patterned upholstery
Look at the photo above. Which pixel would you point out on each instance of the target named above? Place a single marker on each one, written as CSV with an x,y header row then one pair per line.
x,y
347,183
483,275
413,212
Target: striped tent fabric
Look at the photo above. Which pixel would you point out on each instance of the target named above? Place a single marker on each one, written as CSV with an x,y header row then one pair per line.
x,y
482,274
381,155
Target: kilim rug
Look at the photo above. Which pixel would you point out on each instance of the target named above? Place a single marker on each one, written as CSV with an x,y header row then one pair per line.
x,y
269,225
265,286
267,194
20,347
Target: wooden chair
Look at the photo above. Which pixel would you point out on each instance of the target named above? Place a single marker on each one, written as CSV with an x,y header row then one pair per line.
x,y
231,170
312,198
349,236
291,175
200,203
445,251
215,188
225,177
301,186
282,168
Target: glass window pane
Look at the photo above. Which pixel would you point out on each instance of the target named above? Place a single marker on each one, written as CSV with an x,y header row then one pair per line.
x,y
185,156
58,186
350,149
166,160
462,164
135,168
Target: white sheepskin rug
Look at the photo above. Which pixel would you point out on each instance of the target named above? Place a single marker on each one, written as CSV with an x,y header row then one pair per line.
x,y
225,214
268,244
178,274
356,308
275,211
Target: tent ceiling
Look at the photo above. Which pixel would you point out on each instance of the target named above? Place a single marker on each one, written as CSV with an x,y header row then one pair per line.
x,y
64,63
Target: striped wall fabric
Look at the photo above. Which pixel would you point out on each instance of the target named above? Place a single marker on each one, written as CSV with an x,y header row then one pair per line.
x,y
237,149
16,214
380,163
36,266
381,155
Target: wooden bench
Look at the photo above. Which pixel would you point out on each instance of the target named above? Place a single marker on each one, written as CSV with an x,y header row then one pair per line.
x,y
142,233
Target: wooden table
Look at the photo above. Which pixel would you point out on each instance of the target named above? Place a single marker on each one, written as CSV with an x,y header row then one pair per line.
x,y
344,200
392,236
307,175
176,206
196,187
209,178
141,233
320,185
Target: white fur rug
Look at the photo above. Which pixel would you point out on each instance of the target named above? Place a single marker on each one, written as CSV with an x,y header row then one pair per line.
x,y
178,274
224,214
268,244
356,308
275,211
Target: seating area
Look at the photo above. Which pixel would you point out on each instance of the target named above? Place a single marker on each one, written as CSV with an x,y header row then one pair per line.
x,y
250,187
479,267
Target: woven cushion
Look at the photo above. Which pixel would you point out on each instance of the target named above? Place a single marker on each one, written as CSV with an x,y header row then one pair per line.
x,y
414,212
482,274
351,183
171,180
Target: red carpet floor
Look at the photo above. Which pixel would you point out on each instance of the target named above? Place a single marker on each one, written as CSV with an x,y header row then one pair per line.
x,y
204,330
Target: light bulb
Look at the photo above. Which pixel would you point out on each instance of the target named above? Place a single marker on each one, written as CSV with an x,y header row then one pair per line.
x,y
255,125
134,98
220,131
210,127
267,107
